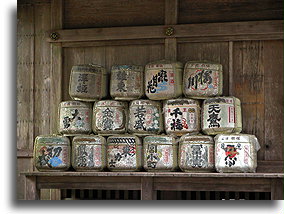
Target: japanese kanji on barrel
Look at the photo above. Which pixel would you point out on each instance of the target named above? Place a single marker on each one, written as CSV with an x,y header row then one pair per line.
x,y
202,80
163,80
75,118
88,82
160,153
181,116
110,117
236,152
145,117
89,153
221,115
126,82
52,153
124,153
196,153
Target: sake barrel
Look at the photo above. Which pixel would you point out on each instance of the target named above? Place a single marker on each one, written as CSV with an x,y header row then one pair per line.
x,y
52,153
124,153
126,82
221,115
110,117
88,82
163,80
202,80
89,153
75,118
145,117
236,152
196,153
182,116
160,153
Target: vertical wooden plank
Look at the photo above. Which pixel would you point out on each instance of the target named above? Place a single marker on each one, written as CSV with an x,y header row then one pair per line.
x,y
32,193
171,16
248,86
277,189
55,194
147,191
56,64
23,165
126,197
230,69
273,82
25,77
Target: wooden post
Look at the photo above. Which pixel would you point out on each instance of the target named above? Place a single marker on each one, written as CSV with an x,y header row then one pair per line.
x,y
31,193
147,191
277,189
171,11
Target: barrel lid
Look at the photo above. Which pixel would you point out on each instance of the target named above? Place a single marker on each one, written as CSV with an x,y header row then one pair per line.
x,y
175,64
160,139
237,137
90,139
88,68
52,139
229,99
111,103
187,138
74,103
181,101
127,67
203,64
145,102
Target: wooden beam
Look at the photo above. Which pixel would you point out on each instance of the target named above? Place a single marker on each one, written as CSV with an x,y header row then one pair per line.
x,y
277,189
32,192
147,191
228,31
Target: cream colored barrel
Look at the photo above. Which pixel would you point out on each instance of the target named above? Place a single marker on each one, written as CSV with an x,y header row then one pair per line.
x,y
182,116
110,117
89,153
75,118
196,153
163,80
88,82
124,153
160,153
202,80
221,115
236,152
145,117
52,153
126,82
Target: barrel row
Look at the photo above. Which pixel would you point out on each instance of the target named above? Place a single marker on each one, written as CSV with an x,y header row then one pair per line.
x,y
145,117
189,153
160,80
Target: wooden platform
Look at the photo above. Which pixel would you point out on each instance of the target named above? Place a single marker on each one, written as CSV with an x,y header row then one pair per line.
x,y
150,182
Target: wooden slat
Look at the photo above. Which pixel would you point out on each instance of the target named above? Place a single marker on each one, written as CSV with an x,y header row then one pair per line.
x,y
109,13
208,11
147,191
31,193
277,189
270,166
232,29
23,164
273,82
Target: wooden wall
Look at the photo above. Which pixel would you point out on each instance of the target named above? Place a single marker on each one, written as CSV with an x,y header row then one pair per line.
x,y
253,69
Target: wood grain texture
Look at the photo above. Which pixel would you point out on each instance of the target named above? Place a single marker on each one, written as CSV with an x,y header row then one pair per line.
x,y
108,13
25,77
226,29
277,189
248,85
273,87
147,191
208,11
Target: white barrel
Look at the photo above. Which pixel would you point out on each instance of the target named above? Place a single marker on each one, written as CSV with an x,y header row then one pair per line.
x,y
221,115
236,152
202,80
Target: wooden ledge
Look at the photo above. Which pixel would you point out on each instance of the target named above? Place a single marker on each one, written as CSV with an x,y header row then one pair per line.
x,y
154,174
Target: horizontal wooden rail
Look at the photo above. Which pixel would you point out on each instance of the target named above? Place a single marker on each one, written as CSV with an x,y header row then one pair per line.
x,y
272,29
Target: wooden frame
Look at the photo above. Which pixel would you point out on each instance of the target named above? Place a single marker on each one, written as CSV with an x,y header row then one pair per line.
x,y
150,182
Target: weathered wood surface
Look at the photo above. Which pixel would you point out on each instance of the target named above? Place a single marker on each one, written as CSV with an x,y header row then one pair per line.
x,y
208,11
232,29
156,174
